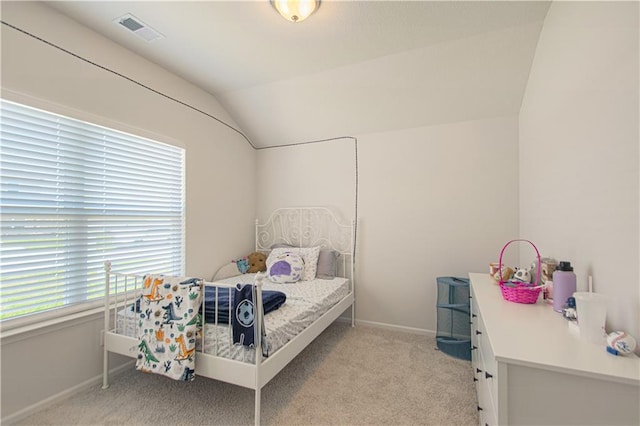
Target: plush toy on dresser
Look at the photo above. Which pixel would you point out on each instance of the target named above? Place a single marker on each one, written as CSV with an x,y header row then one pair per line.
x,y
522,275
507,273
546,277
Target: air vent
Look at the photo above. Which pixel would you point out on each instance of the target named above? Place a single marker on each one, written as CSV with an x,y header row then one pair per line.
x,y
138,27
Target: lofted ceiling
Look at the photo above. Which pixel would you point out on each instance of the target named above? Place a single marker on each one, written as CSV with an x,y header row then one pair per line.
x,y
352,68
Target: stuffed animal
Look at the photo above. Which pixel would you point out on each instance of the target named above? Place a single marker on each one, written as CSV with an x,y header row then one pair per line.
x,y
546,270
242,264
257,262
507,272
522,275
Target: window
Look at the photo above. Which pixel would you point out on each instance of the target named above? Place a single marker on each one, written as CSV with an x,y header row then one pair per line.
x,y
74,195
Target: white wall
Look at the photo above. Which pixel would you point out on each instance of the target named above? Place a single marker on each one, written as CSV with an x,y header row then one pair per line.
x,y
433,201
579,189
219,214
315,174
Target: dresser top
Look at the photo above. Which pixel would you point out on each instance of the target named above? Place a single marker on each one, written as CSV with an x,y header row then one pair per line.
x,y
536,336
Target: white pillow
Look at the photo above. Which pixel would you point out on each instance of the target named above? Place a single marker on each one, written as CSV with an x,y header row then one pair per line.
x,y
308,254
285,268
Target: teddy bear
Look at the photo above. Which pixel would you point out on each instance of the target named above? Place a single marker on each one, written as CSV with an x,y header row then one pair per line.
x,y
257,262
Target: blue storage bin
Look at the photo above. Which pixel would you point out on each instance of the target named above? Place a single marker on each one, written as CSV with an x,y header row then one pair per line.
x,y
453,335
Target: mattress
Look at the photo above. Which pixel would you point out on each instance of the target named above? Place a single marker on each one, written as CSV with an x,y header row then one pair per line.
x,y
306,302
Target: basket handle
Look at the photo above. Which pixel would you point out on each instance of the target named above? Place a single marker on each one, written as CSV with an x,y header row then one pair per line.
x,y
537,255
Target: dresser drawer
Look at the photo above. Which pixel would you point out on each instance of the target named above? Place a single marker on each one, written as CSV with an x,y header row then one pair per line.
x,y
486,395
473,314
484,347
485,369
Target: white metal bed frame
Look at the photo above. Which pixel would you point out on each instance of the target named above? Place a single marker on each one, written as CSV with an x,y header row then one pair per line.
x,y
300,227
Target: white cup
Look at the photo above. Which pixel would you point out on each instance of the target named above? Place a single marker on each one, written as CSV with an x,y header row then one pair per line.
x,y
592,314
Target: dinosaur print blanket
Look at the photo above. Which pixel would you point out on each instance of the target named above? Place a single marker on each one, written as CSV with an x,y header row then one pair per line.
x,y
168,323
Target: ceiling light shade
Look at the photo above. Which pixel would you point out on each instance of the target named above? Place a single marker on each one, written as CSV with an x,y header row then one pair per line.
x,y
295,10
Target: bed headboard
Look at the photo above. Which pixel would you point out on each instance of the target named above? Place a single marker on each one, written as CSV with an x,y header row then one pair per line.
x,y
309,227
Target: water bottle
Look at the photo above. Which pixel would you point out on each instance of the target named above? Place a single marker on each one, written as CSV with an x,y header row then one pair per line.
x,y
564,285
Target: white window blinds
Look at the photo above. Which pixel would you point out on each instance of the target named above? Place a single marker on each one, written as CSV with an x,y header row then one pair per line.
x,y
75,195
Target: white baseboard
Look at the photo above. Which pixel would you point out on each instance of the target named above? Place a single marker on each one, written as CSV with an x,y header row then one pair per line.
x,y
61,396
386,326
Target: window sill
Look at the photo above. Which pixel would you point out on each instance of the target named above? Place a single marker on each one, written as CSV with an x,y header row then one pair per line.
x,y
9,334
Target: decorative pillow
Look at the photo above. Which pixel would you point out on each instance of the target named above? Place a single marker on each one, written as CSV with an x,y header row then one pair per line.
x,y
280,245
308,254
327,264
284,268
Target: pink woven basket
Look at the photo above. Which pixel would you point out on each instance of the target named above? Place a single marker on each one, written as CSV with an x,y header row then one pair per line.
x,y
516,291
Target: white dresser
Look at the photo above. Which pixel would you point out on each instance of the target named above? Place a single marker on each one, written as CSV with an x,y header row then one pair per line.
x,y
531,369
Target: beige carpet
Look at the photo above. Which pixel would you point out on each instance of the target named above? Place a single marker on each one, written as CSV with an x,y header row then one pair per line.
x,y
347,376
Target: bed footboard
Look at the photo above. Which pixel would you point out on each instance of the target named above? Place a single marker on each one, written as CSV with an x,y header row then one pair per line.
x,y
122,326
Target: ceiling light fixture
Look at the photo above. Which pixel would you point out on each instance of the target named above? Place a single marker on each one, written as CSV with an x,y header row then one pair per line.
x,y
295,10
